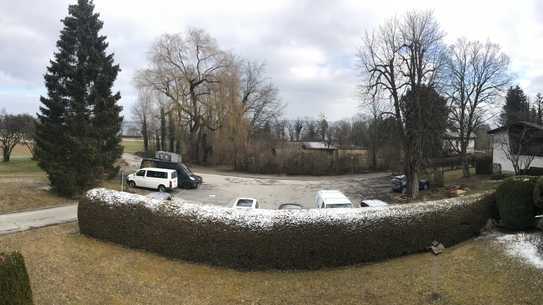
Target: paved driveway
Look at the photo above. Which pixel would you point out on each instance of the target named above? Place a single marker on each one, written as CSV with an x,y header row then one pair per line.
x,y
15,222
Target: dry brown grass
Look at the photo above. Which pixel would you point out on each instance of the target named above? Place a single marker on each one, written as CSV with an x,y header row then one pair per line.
x,y
19,194
68,268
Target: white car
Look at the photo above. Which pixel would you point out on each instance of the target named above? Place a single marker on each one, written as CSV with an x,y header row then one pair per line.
x,y
245,203
160,179
373,203
327,199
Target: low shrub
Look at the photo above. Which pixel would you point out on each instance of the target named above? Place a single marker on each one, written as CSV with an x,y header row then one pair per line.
x,y
279,239
514,198
14,282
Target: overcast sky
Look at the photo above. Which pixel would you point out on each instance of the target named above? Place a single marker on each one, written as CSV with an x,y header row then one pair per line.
x,y
308,46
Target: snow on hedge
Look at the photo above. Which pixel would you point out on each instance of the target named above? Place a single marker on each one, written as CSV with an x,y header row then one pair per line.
x,y
264,219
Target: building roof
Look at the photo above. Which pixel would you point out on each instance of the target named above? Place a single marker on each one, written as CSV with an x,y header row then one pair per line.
x,y
318,145
517,124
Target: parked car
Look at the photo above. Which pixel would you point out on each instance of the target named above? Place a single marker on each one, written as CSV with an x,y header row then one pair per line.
x,y
185,177
154,178
290,206
326,199
373,203
245,203
399,184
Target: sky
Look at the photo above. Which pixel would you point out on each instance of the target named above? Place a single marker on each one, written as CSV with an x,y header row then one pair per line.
x,y
309,46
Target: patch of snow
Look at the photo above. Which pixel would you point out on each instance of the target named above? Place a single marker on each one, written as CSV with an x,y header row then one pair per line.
x,y
524,246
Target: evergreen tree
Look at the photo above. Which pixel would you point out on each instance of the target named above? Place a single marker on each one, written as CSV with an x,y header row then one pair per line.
x,y
516,108
78,130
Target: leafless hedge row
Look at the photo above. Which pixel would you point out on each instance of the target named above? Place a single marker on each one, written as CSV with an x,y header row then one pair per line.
x,y
264,239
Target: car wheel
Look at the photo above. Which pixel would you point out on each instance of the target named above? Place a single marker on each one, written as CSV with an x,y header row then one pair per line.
x,y
161,188
131,184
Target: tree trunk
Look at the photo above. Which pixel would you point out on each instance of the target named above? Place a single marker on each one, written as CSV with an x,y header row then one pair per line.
x,y
412,180
465,165
162,129
145,134
157,142
6,154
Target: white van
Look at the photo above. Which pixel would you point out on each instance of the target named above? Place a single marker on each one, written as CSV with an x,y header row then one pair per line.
x,y
160,179
327,199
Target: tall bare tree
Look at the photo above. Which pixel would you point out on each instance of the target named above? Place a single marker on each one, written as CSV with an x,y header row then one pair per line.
x,y
476,73
259,97
403,55
142,113
184,68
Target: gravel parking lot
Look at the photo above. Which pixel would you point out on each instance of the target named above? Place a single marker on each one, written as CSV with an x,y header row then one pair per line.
x,y
222,189
271,191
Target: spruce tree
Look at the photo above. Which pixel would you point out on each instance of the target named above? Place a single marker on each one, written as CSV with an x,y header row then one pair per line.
x,y
77,134
516,108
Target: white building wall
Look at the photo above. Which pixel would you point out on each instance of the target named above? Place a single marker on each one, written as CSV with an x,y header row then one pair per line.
x,y
498,154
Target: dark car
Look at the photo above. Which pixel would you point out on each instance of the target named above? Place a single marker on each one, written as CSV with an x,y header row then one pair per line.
x,y
399,184
185,178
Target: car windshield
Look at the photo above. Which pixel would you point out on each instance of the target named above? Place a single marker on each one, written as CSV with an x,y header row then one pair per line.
x,y
186,169
245,203
339,205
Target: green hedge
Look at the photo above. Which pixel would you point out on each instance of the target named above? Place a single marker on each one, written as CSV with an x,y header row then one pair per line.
x,y
515,202
14,281
264,239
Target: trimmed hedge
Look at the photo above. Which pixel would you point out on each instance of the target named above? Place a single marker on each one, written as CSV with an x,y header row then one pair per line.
x,y
264,239
14,282
515,202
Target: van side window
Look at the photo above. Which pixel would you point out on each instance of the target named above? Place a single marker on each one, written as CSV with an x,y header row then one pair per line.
x,y
174,175
154,174
140,173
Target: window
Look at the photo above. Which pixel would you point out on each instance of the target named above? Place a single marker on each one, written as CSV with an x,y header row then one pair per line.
x,y
140,173
174,175
245,203
155,174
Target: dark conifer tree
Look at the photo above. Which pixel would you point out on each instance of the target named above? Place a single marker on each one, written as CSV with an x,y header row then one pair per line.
x,y
516,108
78,130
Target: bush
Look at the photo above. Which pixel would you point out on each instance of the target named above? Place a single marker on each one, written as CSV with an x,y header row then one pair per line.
x,y
514,198
264,239
14,281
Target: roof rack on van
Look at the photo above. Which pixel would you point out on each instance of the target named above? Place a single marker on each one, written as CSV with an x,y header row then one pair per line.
x,y
168,156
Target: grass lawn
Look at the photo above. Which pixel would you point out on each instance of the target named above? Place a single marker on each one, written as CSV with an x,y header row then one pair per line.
x,y
132,145
24,186
68,268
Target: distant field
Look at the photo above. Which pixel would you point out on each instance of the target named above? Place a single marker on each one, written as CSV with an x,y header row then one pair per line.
x,y
132,145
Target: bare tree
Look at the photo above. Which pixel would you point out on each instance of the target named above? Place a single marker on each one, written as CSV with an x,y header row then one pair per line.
x,y
184,69
476,74
539,108
402,56
298,127
259,97
142,113
322,127
516,146
11,133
